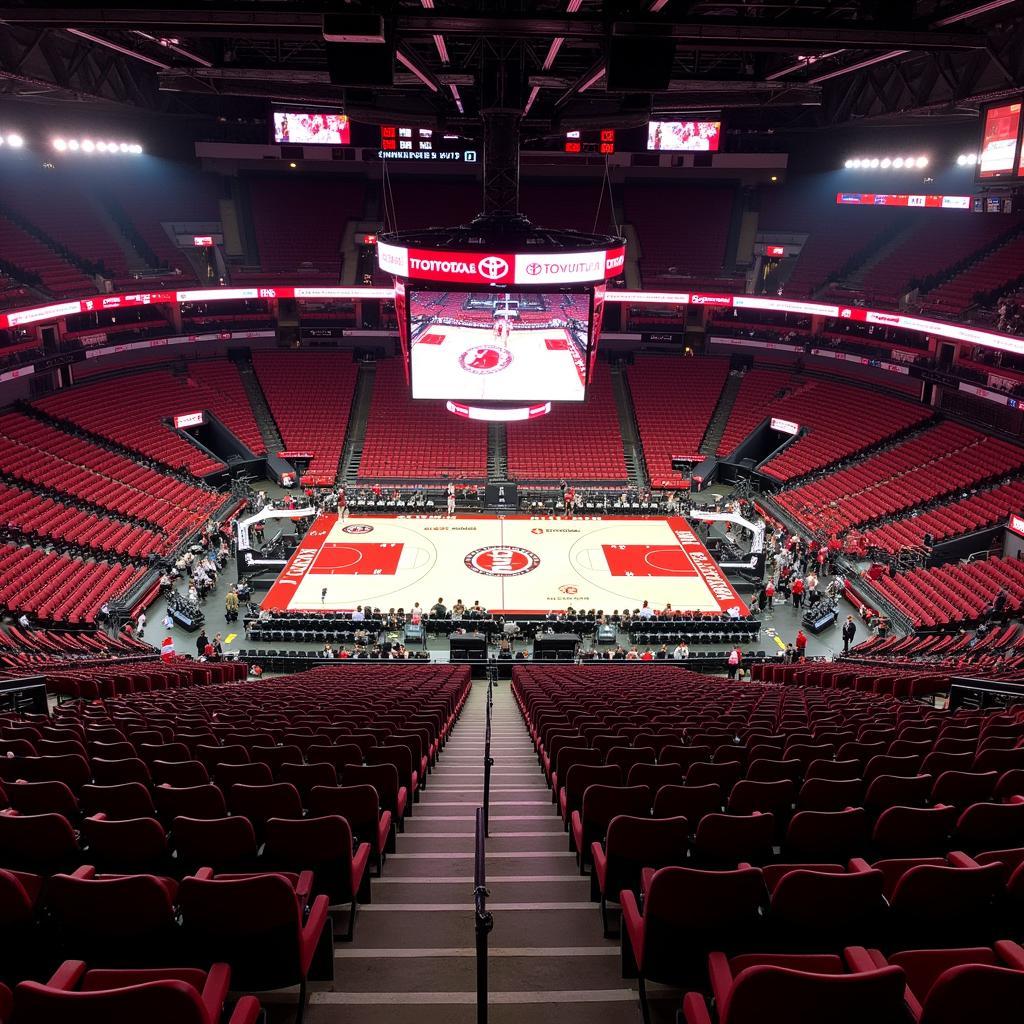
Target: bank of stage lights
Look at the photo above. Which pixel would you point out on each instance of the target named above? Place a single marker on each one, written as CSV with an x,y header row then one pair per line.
x,y
896,163
967,159
12,140
91,146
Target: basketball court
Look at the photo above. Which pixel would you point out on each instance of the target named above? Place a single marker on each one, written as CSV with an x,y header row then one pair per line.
x,y
515,565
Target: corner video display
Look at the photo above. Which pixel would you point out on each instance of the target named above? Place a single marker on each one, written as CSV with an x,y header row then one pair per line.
x,y
499,347
999,141
684,136
312,128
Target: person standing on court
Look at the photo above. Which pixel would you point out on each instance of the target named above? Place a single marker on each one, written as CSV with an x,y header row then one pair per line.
x,y
734,662
849,632
798,592
801,645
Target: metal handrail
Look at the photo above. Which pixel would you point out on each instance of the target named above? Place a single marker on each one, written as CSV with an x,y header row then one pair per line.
x,y
483,920
488,760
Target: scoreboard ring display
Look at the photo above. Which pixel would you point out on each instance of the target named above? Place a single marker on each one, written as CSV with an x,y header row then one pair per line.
x,y
500,311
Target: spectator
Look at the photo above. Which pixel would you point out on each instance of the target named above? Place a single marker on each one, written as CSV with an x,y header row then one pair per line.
x,y
769,593
735,657
648,655
359,615
231,605
439,611
801,645
646,612
849,632
682,651
798,592
201,642
140,624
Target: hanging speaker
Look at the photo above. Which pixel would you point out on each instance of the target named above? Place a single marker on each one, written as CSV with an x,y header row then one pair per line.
x,y
361,64
360,49
639,64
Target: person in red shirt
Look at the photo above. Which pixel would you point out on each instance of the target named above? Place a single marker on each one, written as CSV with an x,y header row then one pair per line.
x,y
648,655
798,592
769,593
801,645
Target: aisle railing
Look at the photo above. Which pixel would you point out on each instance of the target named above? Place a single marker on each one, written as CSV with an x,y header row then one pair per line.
x,y
482,917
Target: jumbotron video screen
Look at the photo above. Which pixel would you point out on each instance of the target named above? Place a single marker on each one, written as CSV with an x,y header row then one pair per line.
x,y
499,347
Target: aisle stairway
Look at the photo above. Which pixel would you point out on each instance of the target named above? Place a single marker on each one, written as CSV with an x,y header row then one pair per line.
x,y
413,959
716,428
632,446
258,400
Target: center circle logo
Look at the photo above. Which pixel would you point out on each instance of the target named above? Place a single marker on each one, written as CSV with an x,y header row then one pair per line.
x,y
357,528
493,267
485,359
533,269
502,561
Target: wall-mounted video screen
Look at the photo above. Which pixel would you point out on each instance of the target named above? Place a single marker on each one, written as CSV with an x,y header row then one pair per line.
x,y
999,139
685,136
311,128
499,347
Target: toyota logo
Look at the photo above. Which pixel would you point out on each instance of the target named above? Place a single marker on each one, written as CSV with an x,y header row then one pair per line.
x,y
533,269
493,267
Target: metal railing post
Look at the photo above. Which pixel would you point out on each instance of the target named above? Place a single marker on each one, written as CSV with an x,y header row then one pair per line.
x,y
482,918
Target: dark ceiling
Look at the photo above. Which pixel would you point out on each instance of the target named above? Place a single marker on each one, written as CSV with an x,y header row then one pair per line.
x,y
773,65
